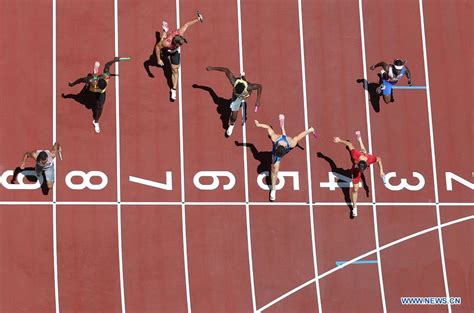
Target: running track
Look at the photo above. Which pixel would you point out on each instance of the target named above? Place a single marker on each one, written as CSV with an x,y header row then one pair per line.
x,y
175,247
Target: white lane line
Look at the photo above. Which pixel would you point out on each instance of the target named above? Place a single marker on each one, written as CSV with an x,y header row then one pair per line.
x,y
117,142
54,213
181,161
433,153
308,156
461,204
244,151
369,139
362,256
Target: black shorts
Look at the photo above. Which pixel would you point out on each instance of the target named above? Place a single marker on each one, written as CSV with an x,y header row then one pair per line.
x,y
175,57
99,99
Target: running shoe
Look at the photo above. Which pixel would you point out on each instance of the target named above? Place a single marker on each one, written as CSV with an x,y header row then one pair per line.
x,y
164,26
96,126
272,195
200,17
281,117
173,94
96,67
229,130
354,211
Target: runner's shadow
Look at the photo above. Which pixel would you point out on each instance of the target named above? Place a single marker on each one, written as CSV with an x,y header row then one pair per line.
x,y
372,89
29,173
223,105
339,171
84,97
264,157
153,61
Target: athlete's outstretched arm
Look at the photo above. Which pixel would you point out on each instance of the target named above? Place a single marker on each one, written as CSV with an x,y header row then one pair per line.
x,y
257,87
227,72
56,148
345,142
380,64
183,28
84,80
26,156
109,64
408,75
379,161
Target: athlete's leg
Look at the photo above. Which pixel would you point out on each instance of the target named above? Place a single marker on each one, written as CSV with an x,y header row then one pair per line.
x,y
174,75
274,174
98,107
355,190
50,184
233,117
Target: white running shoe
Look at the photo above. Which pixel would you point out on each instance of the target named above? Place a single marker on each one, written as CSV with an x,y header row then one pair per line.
x,y
96,126
281,117
272,195
164,26
173,94
229,130
354,211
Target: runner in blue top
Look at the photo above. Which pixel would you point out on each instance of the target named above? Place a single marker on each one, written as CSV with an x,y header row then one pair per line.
x,y
389,76
282,144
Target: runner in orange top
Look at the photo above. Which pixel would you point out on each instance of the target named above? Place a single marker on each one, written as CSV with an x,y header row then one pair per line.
x,y
361,160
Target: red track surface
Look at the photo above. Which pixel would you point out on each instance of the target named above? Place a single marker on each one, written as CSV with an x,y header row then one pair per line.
x,y
206,264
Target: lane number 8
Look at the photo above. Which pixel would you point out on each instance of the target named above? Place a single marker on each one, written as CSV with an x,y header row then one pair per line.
x,y
86,180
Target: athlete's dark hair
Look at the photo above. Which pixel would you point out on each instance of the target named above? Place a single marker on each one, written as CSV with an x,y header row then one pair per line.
x,y
280,151
102,83
398,62
362,165
42,156
239,88
179,40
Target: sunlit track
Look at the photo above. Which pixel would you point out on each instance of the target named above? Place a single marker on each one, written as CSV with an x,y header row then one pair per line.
x,y
360,257
194,229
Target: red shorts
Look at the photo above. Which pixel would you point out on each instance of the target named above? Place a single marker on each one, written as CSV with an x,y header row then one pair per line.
x,y
356,175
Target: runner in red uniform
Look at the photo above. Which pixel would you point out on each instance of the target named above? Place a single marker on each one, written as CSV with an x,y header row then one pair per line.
x,y
168,46
361,160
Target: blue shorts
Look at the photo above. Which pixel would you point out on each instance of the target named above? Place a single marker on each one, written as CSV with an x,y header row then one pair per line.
x,y
387,87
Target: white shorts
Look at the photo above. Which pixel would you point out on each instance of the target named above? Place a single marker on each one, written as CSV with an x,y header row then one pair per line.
x,y
48,172
236,104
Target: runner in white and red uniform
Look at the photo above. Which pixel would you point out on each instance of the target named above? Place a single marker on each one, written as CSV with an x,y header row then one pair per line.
x,y
389,76
169,46
361,160
44,163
